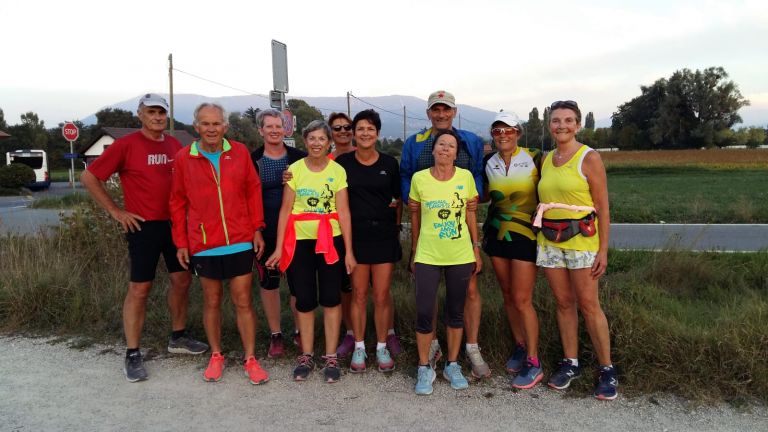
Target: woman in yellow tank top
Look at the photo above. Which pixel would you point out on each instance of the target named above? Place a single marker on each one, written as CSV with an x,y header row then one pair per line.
x,y
574,174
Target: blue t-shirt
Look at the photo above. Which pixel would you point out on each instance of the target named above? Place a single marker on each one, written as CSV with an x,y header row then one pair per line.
x,y
271,174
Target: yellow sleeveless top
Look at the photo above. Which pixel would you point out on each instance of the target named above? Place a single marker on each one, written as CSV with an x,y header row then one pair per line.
x,y
566,184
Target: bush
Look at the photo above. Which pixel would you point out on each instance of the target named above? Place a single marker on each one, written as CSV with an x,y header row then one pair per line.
x,y
15,176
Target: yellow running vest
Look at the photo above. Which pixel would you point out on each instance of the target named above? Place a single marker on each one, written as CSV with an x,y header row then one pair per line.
x,y
567,185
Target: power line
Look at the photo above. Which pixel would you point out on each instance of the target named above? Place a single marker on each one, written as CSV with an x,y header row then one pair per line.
x,y
220,84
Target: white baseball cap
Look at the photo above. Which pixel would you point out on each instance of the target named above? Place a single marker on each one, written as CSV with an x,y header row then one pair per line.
x,y
508,118
153,99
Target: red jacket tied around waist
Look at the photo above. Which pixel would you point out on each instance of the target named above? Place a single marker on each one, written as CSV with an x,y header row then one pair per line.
x,y
324,244
210,210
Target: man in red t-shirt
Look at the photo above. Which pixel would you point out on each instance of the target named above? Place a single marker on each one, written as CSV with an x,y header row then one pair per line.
x,y
144,161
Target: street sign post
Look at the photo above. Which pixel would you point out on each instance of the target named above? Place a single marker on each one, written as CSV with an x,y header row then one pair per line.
x,y
289,125
276,99
279,66
71,133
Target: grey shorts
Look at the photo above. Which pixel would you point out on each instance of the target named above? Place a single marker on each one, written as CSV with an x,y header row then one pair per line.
x,y
554,257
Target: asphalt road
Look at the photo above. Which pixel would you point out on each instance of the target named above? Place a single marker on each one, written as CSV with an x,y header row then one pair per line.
x,y
17,218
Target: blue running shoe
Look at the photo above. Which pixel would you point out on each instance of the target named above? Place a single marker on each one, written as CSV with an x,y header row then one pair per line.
x,y
528,377
424,380
384,360
606,384
452,373
357,364
565,373
515,363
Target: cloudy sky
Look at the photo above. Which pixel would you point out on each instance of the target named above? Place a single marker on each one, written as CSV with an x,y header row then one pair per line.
x,y
66,60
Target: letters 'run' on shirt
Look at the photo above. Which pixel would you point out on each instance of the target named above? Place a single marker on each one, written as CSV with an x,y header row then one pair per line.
x,y
315,193
443,236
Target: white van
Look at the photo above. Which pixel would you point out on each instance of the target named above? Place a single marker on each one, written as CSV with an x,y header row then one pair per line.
x,y
35,159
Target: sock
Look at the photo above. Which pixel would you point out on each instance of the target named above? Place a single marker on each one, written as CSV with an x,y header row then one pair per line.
x,y
470,346
277,333
424,365
350,333
435,342
178,333
574,361
130,351
330,355
391,331
610,366
295,331
360,345
451,363
380,345
534,361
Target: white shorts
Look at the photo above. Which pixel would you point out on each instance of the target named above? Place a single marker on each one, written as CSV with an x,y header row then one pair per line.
x,y
549,256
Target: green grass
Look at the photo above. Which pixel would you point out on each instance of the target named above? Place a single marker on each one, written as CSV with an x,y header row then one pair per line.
x,y
62,175
688,323
61,202
688,195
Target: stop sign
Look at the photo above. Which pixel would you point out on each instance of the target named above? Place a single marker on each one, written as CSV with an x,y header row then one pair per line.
x,y
288,122
70,131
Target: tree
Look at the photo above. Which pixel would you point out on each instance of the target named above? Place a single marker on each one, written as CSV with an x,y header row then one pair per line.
x,y
589,121
251,113
304,115
242,129
116,117
546,138
3,124
533,129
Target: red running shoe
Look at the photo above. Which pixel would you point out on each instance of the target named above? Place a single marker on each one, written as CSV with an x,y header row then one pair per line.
x,y
254,372
215,367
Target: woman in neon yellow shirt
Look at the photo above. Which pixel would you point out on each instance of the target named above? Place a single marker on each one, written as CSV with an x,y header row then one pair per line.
x,y
574,250
441,244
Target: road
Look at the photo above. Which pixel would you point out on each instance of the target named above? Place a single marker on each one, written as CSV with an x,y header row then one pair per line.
x,y
46,385
16,218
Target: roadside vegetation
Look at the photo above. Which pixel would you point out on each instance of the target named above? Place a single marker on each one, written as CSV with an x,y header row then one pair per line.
x,y
61,202
688,323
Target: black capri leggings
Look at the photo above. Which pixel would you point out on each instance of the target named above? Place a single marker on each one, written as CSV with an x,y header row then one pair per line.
x,y
308,272
456,283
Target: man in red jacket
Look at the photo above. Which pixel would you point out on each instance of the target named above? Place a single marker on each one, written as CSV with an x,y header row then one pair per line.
x,y
144,160
218,217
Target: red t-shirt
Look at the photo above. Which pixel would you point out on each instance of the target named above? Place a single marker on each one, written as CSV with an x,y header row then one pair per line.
x,y
145,169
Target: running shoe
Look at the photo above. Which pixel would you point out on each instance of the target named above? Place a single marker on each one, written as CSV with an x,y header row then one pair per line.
x,y
186,345
565,373
606,384
215,367
452,373
347,346
426,376
516,362
276,346
384,360
528,377
134,367
304,365
254,372
480,368
435,354
393,345
331,370
357,364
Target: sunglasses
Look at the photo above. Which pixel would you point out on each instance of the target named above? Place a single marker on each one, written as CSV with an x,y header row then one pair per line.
x,y
563,104
499,131
338,128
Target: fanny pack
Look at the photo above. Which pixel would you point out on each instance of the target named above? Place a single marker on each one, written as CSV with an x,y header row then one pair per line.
x,y
560,230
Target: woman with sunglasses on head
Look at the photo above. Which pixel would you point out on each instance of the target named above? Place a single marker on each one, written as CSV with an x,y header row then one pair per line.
x,y
573,244
510,177
314,245
441,244
374,185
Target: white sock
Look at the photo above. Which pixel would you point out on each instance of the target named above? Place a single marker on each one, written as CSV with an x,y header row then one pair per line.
x,y
391,331
470,346
360,345
350,333
574,361
380,345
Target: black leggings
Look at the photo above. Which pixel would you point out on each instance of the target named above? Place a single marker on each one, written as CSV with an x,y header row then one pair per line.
x,y
456,283
309,275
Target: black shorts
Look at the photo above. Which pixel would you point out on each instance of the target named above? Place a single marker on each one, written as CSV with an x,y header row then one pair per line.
x,y
519,247
145,248
222,267
311,278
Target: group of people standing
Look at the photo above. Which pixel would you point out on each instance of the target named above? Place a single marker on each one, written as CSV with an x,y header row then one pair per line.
x,y
331,222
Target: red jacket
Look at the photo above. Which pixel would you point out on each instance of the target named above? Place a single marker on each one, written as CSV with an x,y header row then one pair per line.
x,y
208,211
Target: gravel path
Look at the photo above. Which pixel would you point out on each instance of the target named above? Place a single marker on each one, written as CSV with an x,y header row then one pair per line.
x,y
45,384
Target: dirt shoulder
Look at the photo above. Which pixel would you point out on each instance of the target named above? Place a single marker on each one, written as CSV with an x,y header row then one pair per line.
x,y
51,386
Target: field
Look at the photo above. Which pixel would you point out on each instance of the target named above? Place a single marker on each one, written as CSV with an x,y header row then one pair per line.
x,y
710,158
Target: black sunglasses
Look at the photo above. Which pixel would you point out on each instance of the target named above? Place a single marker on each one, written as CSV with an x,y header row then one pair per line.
x,y
338,128
563,104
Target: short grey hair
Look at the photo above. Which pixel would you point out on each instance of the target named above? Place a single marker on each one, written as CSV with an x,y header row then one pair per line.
x,y
204,105
316,125
268,113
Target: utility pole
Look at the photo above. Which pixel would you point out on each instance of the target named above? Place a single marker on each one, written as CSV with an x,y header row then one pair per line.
x,y
349,107
459,121
403,123
170,81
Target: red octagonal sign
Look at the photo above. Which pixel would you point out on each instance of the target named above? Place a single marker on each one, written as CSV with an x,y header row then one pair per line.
x,y
70,131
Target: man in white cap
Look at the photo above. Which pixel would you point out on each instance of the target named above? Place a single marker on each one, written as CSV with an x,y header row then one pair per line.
x,y
144,162
416,156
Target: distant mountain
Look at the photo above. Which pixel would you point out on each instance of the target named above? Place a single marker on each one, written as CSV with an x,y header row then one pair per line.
x,y
390,108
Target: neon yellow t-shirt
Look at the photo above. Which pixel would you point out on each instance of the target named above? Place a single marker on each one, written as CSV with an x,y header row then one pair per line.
x,y
444,237
315,193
